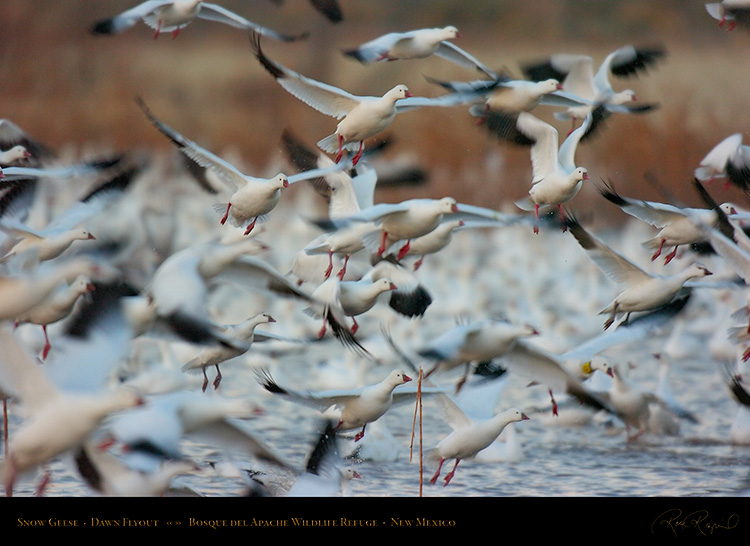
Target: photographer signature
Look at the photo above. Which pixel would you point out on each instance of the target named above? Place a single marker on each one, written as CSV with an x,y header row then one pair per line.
x,y
698,520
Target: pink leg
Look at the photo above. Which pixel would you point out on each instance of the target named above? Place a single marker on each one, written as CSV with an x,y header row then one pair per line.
x,y
341,273
356,158
668,258
217,381
10,478
341,149
450,475
47,345
158,30
355,327
175,32
658,252
360,434
437,474
536,218
330,265
5,426
251,226
418,263
322,330
382,243
404,250
205,380
43,486
226,214
554,404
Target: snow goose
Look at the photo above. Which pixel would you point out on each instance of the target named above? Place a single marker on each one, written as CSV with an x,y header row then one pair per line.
x,y
413,218
555,177
215,355
358,297
73,170
47,244
477,401
20,291
553,371
165,422
347,242
638,290
403,221
252,198
12,135
358,406
628,399
176,295
110,477
65,227
417,44
56,307
509,95
58,417
677,226
576,72
470,438
638,409
728,159
737,12
173,15
433,242
440,237
363,116
467,344
14,154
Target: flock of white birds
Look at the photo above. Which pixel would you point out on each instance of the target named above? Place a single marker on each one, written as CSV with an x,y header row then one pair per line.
x,y
122,306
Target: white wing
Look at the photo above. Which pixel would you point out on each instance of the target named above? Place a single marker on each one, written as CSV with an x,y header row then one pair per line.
x,y
325,98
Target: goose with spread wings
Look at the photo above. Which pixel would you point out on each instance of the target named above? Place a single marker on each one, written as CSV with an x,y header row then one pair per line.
x,y
417,44
252,198
361,116
174,15
638,290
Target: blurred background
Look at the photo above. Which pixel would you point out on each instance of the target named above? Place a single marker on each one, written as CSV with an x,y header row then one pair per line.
x,y
75,91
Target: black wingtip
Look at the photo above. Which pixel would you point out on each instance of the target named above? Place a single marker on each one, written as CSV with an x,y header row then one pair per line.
x,y
330,9
503,125
354,54
103,28
345,336
325,448
267,382
412,304
267,63
609,193
572,224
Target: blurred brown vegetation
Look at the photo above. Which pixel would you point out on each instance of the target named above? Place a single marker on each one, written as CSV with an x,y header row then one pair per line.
x,y
75,91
